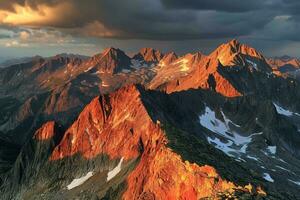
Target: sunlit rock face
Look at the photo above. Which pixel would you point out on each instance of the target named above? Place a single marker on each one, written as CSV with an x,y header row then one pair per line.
x,y
46,132
118,118
216,70
231,54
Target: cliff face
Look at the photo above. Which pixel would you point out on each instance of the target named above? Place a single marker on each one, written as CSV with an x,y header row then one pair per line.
x,y
117,125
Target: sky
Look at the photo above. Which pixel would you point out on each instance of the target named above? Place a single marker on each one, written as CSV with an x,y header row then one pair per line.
x,y
50,27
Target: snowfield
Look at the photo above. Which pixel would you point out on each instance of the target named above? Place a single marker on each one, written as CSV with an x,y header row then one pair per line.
x,y
272,149
268,177
282,111
295,182
232,143
79,181
111,174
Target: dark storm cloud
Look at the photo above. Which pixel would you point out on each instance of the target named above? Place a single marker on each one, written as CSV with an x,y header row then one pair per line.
x,y
223,5
171,19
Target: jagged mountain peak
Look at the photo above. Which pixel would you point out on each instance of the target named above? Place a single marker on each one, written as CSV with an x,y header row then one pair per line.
x,y
115,116
198,56
149,55
109,52
168,58
112,51
111,60
234,47
235,53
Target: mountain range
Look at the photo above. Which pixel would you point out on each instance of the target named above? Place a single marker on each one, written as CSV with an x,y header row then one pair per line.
x,y
151,126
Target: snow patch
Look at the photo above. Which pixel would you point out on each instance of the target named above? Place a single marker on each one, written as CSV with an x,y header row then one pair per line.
x,y
282,111
272,149
125,71
88,69
268,177
97,72
136,64
281,160
114,171
253,158
295,182
279,167
79,181
225,147
253,64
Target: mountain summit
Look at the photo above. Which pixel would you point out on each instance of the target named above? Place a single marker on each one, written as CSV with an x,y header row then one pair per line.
x,y
111,61
149,55
234,53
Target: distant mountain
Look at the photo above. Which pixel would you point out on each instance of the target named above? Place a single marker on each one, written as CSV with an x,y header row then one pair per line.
x,y
219,70
286,66
148,55
9,62
151,126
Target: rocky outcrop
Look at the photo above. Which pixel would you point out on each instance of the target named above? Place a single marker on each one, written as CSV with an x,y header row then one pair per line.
x,y
46,132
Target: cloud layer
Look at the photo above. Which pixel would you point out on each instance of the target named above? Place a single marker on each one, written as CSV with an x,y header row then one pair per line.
x,y
156,19
60,21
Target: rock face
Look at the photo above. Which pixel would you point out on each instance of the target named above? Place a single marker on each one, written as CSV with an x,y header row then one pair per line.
x,y
46,132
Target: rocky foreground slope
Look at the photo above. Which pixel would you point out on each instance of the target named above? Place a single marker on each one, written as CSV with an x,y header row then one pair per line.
x,y
114,129
151,126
